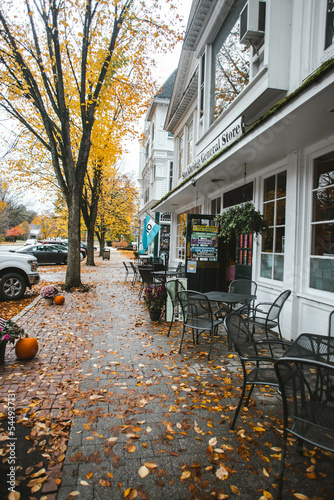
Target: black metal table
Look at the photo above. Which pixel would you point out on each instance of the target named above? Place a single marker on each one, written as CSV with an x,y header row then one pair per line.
x,y
312,346
230,299
162,275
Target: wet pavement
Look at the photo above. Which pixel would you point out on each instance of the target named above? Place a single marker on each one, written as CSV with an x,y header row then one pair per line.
x,y
145,422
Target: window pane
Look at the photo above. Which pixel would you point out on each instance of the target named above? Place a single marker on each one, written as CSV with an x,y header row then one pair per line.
x,y
279,240
281,184
269,213
231,70
323,239
324,171
267,240
322,274
329,37
238,195
266,265
280,212
323,204
279,267
269,188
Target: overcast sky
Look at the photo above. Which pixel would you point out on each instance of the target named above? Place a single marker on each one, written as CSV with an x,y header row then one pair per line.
x,y
166,64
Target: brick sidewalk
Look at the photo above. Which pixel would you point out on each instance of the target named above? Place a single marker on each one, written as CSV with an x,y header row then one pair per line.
x,y
131,400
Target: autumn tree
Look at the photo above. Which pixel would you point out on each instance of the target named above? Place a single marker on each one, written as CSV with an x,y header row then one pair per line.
x,y
59,60
117,208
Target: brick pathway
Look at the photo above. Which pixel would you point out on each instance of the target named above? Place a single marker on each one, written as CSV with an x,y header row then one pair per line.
x,y
131,400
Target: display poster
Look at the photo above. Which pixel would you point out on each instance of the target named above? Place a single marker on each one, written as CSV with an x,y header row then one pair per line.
x,y
204,243
191,266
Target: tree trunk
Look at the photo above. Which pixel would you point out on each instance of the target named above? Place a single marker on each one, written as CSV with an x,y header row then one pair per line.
x,y
73,262
90,244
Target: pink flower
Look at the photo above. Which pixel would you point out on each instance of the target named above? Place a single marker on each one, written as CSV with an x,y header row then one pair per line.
x,y
5,337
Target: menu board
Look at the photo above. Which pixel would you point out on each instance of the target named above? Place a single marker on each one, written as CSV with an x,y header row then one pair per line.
x,y
204,243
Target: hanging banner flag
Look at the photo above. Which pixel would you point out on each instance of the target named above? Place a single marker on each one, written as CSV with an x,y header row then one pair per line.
x,y
151,229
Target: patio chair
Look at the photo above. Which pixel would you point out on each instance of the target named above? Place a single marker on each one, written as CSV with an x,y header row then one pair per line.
x,y
266,315
135,272
263,372
128,270
197,315
147,278
331,325
307,389
173,287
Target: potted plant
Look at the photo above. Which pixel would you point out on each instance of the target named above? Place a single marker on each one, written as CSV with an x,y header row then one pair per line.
x,y
9,333
241,219
155,299
48,293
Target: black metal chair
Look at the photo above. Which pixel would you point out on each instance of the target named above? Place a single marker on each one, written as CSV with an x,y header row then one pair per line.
x,y
147,278
173,287
266,315
197,315
129,269
307,389
135,272
263,372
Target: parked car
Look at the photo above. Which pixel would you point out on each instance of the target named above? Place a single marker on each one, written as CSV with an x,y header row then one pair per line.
x,y
45,254
64,244
17,272
30,241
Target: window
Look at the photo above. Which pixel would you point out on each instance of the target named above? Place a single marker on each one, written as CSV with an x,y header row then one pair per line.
x,y
238,195
274,203
231,63
202,86
322,224
329,36
216,206
190,145
147,150
181,223
180,155
171,175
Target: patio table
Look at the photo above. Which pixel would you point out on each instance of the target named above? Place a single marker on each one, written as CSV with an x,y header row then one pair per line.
x,y
230,299
162,275
313,347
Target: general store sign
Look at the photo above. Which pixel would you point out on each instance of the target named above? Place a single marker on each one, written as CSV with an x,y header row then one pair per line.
x,y
227,137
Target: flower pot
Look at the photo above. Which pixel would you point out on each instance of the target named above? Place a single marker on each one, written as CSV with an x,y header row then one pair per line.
x,y
2,351
48,301
155,315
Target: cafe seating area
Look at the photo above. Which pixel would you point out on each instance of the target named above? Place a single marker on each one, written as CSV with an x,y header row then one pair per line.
x,y
300,371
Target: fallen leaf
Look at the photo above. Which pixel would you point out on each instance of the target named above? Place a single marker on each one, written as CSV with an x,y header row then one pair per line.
x,y
222,473
300,496
143,471
185,474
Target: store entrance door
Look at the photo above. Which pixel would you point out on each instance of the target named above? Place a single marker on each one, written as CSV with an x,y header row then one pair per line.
x,y
244,257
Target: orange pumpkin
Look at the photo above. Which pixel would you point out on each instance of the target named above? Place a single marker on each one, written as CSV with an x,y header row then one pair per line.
x,y
26,348
59,300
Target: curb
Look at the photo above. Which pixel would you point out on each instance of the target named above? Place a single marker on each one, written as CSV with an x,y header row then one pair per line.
x,y
26,309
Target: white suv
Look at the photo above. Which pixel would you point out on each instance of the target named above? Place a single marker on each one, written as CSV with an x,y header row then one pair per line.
x,y
17,272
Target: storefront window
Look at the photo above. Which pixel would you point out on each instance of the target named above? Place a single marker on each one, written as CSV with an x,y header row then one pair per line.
x,y
274,204
181,232
322,225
